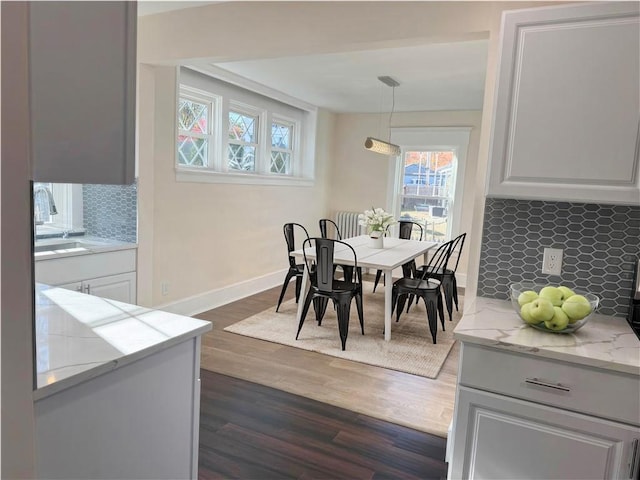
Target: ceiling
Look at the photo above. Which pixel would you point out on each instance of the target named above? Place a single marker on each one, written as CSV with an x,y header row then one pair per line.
x,y
434,76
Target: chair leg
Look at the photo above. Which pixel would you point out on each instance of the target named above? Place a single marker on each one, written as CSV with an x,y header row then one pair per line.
x,y
440,309
320,307
455,291
343,308
375,283
284,288
447,290
360,311
305,309
401,299
432,316
347,272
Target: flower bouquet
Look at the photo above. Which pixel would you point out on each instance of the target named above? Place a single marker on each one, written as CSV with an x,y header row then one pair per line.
x,y
377,221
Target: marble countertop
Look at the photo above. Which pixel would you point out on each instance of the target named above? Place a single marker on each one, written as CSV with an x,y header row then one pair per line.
x,y
604,342
81,336
47,249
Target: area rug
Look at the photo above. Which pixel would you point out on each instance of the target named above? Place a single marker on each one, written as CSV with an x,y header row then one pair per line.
x,y
410,350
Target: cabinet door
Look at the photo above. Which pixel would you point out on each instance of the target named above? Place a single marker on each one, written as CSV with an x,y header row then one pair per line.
x,y
498,437
566,120
82,60
115,287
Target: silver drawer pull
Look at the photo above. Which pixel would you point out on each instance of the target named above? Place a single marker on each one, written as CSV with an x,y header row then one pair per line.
x,y
542,383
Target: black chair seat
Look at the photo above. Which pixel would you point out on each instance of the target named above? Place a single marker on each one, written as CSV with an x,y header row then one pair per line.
x,y
417,283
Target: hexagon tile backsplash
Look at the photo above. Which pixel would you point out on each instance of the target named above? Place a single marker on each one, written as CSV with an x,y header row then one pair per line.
x,y
601,244
111,211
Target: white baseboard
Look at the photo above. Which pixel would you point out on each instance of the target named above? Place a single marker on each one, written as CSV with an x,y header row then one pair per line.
x,y
216,298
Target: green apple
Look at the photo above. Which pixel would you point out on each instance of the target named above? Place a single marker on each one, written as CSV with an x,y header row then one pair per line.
x,y
553,294
541,310
526,297
566,292
576,307
559,321
525,313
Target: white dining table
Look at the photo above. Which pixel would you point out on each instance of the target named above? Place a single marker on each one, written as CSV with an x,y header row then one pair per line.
x,y
395,253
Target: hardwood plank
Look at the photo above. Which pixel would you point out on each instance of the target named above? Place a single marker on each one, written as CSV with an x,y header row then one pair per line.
x,y
249,431
416,402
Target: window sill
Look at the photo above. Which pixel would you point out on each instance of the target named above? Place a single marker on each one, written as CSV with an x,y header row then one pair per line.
x,y
204,176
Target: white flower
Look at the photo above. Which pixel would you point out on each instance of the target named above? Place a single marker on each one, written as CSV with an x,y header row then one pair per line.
x,y
376,220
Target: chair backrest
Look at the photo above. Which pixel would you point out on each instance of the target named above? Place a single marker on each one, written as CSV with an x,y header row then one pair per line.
x,y
406,229
289,236
438,260
325,225
322,268
456,246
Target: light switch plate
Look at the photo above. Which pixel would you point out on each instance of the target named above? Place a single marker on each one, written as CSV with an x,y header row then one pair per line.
x,y
552,261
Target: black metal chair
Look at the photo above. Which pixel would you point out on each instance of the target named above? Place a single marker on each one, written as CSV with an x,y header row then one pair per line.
x,y
405,231
329,229
447,274
423,287
295,270
325,287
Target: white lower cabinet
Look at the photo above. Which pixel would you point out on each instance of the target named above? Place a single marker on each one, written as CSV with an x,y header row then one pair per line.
x,y
110,274
518,416
114,287
508,438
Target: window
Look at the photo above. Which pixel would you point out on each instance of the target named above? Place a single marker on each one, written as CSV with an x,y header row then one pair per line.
x,y
427,186
243,141
57,208
281,147
229,134
194,129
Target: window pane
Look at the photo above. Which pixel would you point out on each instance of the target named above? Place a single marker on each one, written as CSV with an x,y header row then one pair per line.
x,y
242,157
280,136
192,151
280,162
242,127
193,116
427,191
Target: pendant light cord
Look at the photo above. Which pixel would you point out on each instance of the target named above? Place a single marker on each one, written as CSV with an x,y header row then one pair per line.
x,y
393,106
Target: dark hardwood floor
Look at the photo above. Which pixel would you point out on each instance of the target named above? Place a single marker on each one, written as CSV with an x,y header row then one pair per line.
x,y
249,431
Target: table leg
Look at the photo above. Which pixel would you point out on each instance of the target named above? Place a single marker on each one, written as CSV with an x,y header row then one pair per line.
x,y
388,286
303,294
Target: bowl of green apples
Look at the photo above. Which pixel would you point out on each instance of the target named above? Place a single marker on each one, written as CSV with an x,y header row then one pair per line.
x,y
550,308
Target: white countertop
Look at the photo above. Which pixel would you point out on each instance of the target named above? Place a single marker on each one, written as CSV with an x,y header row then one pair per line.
x,y
604,342
81,336
51,248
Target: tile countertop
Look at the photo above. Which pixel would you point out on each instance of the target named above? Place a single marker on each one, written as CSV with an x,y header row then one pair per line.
x,y
604,342
81,336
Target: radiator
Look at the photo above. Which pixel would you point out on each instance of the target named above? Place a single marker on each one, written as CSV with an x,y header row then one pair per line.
x,y
348,224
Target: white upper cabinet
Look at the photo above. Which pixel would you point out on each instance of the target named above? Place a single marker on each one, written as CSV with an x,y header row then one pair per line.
x,y
82,61
567,106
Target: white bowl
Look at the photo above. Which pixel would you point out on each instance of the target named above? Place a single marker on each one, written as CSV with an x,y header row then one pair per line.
x,y
517,288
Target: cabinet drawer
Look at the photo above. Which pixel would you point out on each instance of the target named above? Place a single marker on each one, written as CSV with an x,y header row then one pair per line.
x,y
81,267
598,392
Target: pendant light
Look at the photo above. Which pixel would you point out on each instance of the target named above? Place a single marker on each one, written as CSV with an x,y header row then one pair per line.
x,y
375,144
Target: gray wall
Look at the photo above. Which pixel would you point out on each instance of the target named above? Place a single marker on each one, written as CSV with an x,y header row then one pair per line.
x,y
110,211
600,243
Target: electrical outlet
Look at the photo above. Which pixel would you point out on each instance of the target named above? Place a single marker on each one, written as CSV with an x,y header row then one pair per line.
x,y
552,261
164,286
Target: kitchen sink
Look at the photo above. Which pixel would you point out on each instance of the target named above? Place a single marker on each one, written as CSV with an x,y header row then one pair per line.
x,y
59,246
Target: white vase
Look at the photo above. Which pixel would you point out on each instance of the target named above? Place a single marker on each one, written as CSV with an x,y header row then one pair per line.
x,y
376,241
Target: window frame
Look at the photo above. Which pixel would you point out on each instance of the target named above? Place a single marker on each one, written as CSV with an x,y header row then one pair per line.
x,y
423,139
260,115
294,142
213,102
303,165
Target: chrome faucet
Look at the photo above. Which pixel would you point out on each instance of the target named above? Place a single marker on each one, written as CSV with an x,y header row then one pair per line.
x,y
43,204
